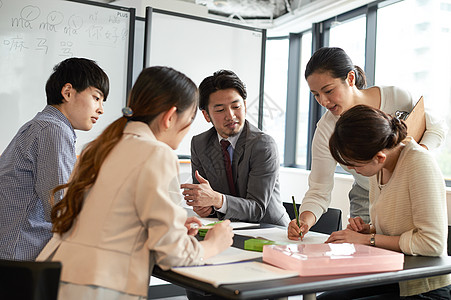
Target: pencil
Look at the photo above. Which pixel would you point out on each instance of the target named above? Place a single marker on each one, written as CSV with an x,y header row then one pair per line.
x,y
297,215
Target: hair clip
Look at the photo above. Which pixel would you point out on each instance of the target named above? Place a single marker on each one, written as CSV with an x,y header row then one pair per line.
x,y
127,112
401,115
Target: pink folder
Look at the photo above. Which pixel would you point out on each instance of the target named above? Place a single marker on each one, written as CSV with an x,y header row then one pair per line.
x,y
332,259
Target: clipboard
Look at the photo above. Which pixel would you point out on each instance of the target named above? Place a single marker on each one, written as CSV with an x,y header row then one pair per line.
x,y
415,120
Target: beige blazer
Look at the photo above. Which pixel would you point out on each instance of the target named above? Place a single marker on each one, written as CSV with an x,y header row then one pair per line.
x,y
130,220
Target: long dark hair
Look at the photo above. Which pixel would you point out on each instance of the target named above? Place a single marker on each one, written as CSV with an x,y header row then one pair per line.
x,y
156,90
362,131
335,61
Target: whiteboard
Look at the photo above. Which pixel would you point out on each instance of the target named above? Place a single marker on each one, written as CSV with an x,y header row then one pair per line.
x,y
198,47
138,55
36,35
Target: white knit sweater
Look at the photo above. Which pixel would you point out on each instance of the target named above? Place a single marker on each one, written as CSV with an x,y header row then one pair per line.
x,y
412,205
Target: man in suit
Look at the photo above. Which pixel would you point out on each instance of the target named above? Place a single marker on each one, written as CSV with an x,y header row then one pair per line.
x,y
250,192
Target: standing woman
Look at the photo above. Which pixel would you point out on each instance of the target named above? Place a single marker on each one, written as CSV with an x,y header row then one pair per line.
x,y
338,85
407,198
120,214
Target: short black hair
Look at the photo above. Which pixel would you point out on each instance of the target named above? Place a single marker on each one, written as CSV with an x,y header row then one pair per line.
x,y
81,73
220,80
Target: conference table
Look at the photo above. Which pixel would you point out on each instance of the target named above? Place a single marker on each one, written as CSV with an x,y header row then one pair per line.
x,y
414,267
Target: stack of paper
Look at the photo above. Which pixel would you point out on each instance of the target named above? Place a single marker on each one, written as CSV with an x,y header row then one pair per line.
x,y
231,255
234,273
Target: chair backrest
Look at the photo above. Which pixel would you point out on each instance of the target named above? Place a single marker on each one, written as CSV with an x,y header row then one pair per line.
x,y
329,222
449,240
29,280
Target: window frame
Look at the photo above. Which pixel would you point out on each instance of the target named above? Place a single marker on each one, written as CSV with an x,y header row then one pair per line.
x,y
262,120
320,38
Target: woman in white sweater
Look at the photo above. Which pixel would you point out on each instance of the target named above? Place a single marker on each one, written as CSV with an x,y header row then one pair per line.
x,y
338,85
407,197
120,214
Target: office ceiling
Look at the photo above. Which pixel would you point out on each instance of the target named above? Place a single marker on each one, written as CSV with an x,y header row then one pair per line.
x,y
246,9
280,17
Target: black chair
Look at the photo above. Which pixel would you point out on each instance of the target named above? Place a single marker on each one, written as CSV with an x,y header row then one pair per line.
x,y
165,291
29,280
329,222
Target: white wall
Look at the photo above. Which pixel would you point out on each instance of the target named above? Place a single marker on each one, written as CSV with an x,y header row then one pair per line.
x,y
294,182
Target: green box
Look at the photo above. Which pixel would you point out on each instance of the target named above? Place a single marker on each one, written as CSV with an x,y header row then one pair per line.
x,y
256,244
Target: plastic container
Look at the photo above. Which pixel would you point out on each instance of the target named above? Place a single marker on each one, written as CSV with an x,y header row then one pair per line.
x,y
332,259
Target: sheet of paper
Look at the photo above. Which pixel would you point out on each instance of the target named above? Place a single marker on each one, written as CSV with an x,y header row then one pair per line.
x,y
234,273
233,254
280,235
206,221
239,225
235,225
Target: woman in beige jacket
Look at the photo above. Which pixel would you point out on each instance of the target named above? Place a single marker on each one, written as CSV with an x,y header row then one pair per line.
x,y
120,214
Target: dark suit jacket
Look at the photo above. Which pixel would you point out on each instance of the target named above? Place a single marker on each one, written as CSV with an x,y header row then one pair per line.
x,y
255,168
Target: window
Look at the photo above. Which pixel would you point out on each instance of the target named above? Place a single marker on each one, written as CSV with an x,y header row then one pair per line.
x,y
413,52
350,36
275,98
347,31
404,43
303,104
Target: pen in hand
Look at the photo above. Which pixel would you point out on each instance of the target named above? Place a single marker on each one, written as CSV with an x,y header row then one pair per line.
x,y
297,216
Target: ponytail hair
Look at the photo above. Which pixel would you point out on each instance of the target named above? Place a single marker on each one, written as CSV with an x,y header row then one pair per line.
x,y
83,176
362,131
335,61
360,78
155,91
